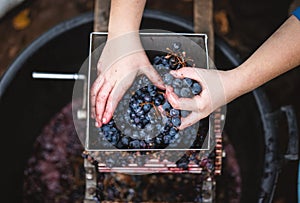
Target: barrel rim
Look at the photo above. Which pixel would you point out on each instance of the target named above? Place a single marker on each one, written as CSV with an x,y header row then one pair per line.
x,y
38,43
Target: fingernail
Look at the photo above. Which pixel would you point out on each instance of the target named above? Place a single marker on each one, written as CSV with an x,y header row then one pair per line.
x,y
104,120
97,124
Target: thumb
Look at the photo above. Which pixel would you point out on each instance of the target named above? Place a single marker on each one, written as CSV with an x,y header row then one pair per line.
x,y
154,77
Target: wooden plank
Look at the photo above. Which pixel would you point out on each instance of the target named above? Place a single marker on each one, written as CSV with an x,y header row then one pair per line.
x,y
203,22
101,15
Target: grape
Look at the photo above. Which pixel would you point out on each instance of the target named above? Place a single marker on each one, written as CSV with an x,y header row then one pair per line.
x,y
165,61
147,108
125,140
145,80
158,140
168,78
166,106
177,82
136,120
176,121
159,100
177,91
176,46
185,92
156,60
142,144
167,139
147,98
172,132
196,88
161,66
172,63
174,112
188,81
135,144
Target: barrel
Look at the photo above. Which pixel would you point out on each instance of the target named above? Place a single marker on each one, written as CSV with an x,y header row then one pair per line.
x,y
26,105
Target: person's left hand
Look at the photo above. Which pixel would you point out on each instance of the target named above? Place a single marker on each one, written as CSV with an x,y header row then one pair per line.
x,y
211,97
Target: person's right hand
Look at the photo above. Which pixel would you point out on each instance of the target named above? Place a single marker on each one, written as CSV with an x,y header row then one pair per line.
x,y
121,61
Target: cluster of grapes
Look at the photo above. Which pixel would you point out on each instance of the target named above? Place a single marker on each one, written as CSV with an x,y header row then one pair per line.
x,y
144,100
140,105
194,85
175,60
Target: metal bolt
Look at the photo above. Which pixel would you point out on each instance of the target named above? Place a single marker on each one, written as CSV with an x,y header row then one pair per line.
x,y
89,176
91,190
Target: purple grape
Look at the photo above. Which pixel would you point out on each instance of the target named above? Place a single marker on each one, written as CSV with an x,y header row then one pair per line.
x,y
174,112
148,98
188,81
147,108
176,46
166,106
196,88
125,140
176,121
167,139
156,60
173,132
135,144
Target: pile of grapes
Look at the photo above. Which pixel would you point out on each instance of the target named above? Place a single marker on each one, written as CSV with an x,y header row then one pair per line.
x,y
147,103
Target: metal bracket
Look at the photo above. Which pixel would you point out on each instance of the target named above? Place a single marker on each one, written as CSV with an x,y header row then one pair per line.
x,y
91,182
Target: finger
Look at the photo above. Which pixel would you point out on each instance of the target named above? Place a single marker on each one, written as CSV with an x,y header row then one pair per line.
x,y
188,72
101,101
188,104
116,94
154,77
94,92
113,100
191,119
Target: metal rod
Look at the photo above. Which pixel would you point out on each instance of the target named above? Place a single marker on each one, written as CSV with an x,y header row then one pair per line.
x,y
58,76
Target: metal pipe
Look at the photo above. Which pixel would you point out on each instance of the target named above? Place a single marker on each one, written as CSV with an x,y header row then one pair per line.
x,y
58,76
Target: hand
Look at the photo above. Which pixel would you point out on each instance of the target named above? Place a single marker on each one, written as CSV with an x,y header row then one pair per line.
x,y
211,97
121,61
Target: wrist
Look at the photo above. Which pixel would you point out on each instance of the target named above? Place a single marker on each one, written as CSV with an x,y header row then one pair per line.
x,y
128,33
120,46
125,16
233,83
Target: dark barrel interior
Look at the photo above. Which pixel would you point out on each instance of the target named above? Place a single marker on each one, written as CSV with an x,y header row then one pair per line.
x,y
27,104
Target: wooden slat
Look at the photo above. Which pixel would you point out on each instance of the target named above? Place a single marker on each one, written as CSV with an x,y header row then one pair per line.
x,y
203,22
101,15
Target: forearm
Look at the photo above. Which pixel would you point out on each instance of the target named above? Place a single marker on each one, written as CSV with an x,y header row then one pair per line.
x,y
125,16
280,53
